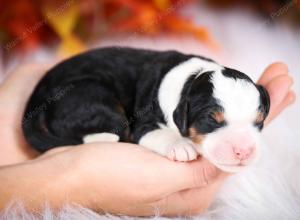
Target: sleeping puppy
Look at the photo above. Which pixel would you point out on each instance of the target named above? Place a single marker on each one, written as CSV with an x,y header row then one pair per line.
x,y
174,104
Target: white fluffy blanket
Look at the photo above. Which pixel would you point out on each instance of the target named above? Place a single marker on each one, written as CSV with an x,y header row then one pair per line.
x,y
270,190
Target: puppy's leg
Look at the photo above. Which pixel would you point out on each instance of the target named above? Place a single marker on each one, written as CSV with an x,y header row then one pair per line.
x,y
167,142
90,113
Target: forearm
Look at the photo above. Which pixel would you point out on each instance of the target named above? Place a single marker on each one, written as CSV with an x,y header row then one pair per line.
x,y
35,183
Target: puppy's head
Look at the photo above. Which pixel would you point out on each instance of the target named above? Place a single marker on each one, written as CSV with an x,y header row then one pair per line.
x,y
222,112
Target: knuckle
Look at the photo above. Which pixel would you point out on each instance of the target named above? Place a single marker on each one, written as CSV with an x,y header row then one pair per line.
x,y
204,175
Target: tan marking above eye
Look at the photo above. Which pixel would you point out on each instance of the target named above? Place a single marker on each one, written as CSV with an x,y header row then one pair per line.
x,y
219,116
260,117
195,136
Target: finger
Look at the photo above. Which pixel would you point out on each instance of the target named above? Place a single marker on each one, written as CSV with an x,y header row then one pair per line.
x,y
180,176
182,203
272,71
288,100
24,79
20,84
16,89
26,75
278,89
189,202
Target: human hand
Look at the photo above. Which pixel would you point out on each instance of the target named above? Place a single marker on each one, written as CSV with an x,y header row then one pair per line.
x,y
14,93
181,188
278,82
126,179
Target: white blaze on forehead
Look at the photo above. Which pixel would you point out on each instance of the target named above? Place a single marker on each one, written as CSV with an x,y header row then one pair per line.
x,y
172,84
238,97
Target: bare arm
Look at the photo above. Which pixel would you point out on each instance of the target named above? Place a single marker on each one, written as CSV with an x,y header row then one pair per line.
x,y
33,183
114,178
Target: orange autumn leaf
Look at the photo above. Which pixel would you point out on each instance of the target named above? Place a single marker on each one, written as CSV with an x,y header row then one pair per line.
x,y
63,24
141,21
25,24
152,17
179,25
22,26
162,4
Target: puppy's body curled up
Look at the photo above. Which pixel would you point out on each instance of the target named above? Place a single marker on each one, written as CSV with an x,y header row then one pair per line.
x,y
174,104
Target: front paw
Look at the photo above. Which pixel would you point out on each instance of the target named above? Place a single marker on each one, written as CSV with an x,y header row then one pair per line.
x,y
181,151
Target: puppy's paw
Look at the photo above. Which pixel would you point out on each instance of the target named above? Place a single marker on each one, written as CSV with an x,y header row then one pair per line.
x,y
182,151
100,137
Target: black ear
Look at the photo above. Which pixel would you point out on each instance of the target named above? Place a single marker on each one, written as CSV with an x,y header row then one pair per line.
x,y
180,116
264,100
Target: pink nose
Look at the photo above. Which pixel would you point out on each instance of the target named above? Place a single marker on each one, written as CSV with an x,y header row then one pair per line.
x,y
243,153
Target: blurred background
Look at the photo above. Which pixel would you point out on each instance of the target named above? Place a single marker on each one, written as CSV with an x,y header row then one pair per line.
x,y
66,27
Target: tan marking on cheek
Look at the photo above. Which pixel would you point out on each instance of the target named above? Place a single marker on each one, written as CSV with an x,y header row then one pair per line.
x,y
219,117
260,117
196,137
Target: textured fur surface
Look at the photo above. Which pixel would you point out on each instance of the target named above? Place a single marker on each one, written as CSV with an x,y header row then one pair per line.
x,y
269,191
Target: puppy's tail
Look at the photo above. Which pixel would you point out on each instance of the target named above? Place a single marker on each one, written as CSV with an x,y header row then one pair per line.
x,y
39,136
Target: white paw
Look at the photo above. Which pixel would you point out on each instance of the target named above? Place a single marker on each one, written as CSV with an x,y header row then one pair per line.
x,y
182,151
100,137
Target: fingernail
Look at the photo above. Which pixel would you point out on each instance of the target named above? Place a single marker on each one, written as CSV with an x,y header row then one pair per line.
x,y
282,67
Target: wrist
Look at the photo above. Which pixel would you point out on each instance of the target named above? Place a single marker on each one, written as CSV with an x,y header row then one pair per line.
x,y
72,182
36,183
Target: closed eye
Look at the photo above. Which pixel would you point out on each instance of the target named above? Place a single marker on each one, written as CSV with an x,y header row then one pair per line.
x,y
259,125
259,118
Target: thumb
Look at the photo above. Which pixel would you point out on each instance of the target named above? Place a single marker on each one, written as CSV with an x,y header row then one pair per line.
x,y
200,173
192,174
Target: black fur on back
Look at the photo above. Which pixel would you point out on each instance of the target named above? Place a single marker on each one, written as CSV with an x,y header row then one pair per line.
x,y
103,90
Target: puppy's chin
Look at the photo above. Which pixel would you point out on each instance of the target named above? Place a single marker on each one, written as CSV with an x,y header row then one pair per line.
x,y
231,168
234,166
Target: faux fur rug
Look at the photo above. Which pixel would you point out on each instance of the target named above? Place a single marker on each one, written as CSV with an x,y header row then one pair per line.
x,y
271,189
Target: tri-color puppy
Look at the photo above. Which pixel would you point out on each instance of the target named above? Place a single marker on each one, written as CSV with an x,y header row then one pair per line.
x,y
174,104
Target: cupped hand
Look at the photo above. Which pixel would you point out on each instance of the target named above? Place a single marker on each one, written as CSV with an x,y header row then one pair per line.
x,y
125,178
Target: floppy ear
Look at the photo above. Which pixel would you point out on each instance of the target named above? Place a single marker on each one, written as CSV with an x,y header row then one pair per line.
x,y
180,116
264,100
